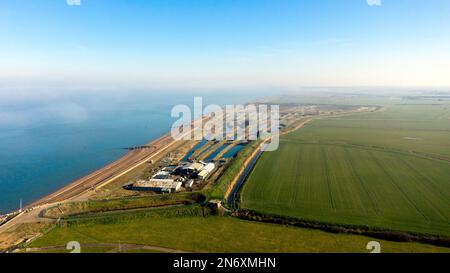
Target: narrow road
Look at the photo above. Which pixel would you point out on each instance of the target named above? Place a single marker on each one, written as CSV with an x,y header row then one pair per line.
x,y
116,248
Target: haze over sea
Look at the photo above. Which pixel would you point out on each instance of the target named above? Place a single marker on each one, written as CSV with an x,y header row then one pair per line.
x,y
46,144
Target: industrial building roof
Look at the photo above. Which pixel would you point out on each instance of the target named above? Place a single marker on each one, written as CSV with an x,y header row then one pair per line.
x,y
203,173
209,167
195,166
157,183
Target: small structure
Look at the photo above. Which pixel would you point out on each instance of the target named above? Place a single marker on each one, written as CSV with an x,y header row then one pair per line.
x,y
169,168
206,171
161,175
209,167
191,169
189,183
216,204
195,167
216,207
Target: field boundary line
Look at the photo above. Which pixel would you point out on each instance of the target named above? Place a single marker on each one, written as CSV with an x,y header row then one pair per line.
x,y
407,198
371,148
374,232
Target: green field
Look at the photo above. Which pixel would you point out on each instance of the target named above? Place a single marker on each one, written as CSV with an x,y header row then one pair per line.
x,y
121,204
418,128
172,229
379,169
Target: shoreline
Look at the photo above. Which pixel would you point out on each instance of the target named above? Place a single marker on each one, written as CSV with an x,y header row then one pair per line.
x,y
103,175
83,187
97,178
100,177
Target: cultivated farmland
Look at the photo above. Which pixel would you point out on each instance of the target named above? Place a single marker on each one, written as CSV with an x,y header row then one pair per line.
x,y
387,169
206,234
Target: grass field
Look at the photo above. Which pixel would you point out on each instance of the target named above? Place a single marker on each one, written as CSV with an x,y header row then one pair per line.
x,y
378,169
117,204
419,128
213,234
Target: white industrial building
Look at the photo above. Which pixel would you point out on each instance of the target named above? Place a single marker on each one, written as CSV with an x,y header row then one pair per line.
x,y
161,175
209,167
158,185
167,182
195,167
206,171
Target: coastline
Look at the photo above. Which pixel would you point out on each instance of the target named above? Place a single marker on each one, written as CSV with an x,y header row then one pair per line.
x,y
84,186
96,178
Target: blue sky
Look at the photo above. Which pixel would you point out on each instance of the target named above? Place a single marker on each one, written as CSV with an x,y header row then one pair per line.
x,y
225,43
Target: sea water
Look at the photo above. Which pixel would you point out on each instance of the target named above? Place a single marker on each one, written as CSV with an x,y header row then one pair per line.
x,y
47,144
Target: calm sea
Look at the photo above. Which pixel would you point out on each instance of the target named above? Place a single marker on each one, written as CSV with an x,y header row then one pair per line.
x,y
46,145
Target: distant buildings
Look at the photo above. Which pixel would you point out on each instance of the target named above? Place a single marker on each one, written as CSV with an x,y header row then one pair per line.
x,y
171,178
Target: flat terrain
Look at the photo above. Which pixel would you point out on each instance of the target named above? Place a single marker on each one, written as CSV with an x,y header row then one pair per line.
x,y
387,169
411,128
210,234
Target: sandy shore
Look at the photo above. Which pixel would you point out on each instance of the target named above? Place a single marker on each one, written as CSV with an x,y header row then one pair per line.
x,y
107,173
81,188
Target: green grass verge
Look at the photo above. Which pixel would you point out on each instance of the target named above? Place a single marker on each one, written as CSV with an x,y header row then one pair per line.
x,y
213,234
218,190
127,203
